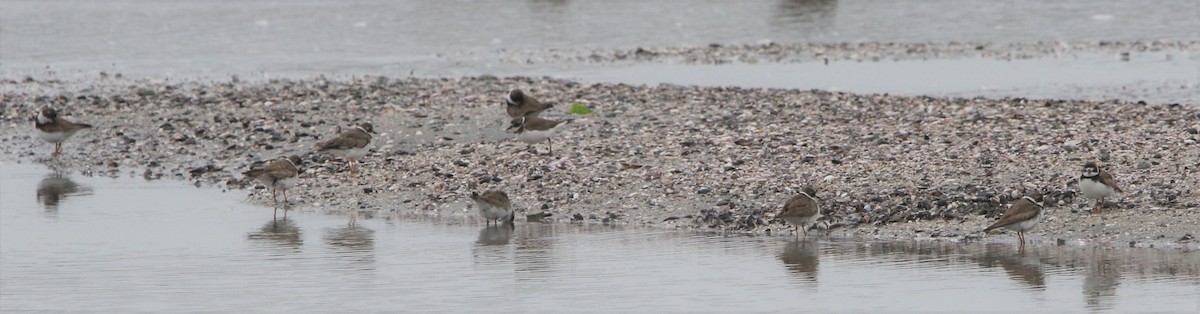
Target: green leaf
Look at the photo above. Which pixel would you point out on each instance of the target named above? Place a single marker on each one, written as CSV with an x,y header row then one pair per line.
x,y
578,108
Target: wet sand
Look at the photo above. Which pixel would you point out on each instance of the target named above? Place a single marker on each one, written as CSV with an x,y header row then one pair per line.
x,y
720,159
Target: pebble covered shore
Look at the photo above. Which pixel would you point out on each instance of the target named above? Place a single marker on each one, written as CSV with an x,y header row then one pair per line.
x,y
678,157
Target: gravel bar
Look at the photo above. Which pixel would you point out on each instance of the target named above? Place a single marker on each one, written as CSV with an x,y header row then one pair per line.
x,y
721,159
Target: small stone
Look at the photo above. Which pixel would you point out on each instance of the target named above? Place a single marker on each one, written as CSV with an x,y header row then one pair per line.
x,y
577,217
704,190
723,202
368,190
1142,165
462,163
1191,131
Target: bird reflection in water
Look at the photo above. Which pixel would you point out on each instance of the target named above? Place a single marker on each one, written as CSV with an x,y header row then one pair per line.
x,y
802,258
353,238
355,243
280,232
56,187
498,234
1100,279
1023,267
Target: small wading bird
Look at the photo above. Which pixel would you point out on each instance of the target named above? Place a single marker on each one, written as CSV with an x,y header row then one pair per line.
x,y
55,130
519,105
350,145
1098,184
801,211
534,130
494,205
1022,216
277,175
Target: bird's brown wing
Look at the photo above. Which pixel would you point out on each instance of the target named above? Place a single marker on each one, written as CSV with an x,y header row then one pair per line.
x,y
349,139
514,111
1107,179
275,170
62,125
799,206
539,124
496,198
529,106
1021,211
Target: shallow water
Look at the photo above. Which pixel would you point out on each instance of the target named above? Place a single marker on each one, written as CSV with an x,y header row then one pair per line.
x,y
70,242
1152,77
308,37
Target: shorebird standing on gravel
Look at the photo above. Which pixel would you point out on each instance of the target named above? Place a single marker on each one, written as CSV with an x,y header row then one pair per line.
x,y
277,175
494,205
350,145
801,211
518,105
1098,184
55,130
533,130
1022,216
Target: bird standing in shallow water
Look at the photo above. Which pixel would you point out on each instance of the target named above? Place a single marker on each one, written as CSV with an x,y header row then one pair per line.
x,y
494,205
55,130
350,145
277,175
1098,184
1022,216
801,211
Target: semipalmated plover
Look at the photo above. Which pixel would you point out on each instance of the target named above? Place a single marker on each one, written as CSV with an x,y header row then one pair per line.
x,y
350,145
518,105
1022,216
534,130
55,130
801,211
277,175
1098,184
494,205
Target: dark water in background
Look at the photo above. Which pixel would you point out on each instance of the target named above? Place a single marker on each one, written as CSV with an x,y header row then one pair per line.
x,y
65,245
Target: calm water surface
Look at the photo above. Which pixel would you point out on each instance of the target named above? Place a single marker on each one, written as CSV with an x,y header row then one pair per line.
x,y
70,242
275,38
1152,77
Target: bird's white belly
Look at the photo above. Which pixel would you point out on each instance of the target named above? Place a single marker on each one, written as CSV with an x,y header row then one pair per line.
x,y
1095,189
492,212
55,137
349,154
285,183
1025,225
533,137
356,153
802,221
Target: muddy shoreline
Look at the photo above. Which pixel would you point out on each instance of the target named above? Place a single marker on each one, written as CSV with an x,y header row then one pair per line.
x,y
720,159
